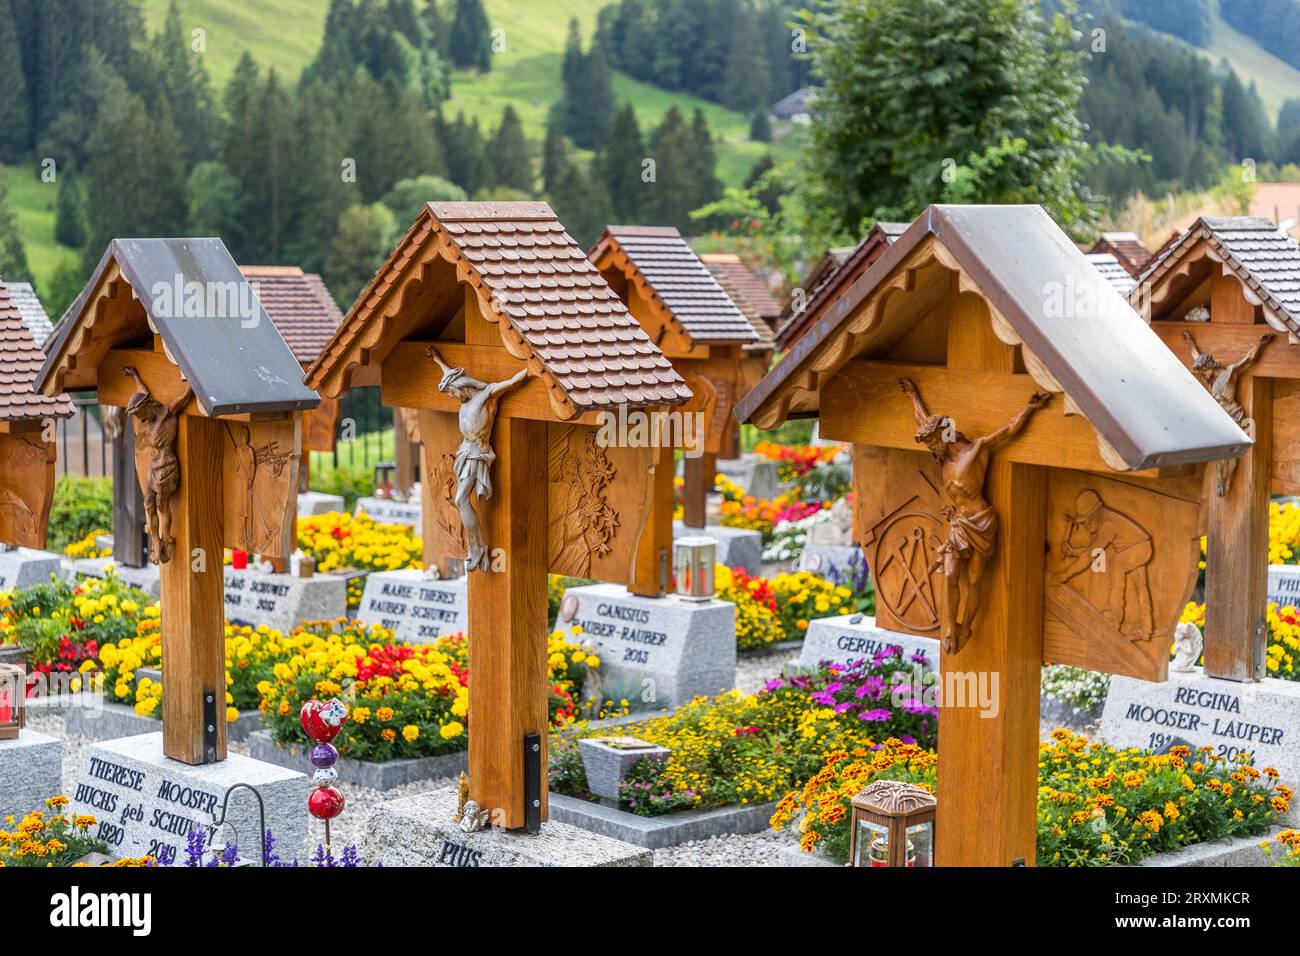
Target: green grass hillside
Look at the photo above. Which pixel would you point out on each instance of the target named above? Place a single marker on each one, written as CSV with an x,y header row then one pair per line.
x,y
1275,79
33,204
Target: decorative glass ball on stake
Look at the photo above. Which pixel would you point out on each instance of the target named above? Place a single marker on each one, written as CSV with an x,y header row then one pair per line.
x,y
893,825
322,722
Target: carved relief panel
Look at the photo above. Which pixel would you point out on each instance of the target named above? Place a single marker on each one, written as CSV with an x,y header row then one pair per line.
x,y
261,469
26,487
599,501
1121,563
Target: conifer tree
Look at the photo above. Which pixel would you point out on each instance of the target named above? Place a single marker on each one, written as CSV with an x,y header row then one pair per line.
x,y
471,36
15,115
512,166
13,257
69,212
167,151
555,150
622,166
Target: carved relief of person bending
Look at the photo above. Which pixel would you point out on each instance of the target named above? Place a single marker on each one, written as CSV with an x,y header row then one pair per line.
x,y
157,426
972,523
1221,381
473,464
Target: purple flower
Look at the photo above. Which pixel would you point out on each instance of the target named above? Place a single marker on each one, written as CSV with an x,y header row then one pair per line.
x,y
775,684
877,716
908,739
872,687
834,686
920,657
841,708
823,698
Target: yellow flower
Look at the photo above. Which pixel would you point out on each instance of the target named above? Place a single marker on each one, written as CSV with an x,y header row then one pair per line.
x,y
410,733
451,730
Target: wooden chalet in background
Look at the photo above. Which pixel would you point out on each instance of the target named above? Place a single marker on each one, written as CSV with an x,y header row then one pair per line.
x,y
1010,437
27,451
686,313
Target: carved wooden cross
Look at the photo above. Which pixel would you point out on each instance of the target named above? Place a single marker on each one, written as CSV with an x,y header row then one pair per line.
x,y
686,313
169,330
1023,479
1222,298
494,301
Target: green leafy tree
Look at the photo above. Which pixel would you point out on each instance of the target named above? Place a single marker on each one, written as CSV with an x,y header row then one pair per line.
x,y
470,42
364,237
15,117
70,212
911,88
409,196
13,257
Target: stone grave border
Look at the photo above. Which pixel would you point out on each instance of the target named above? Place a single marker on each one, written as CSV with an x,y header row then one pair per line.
x,y
121,720
656,833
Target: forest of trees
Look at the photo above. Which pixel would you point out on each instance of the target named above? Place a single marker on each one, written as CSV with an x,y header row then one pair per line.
x,y
1273,24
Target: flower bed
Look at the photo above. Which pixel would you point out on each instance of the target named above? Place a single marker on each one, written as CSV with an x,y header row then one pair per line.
x,y
1097,806
50,838
739,749
337,541
61,626
1282,655
88,547
406,700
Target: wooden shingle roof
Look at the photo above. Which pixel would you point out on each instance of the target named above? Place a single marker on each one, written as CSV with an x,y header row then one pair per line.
x,y
665,269
29,307
554,309
1265,260
1112,271
1127,248
766,338
746,283
300,306
20,360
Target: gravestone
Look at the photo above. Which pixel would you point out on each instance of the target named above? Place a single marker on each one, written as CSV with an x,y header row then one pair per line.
x,y
23,567
737,547
282,601
1284,585
148,804
388,511
420,831
318,503
660,651
413,607
31,769
1233,717
145,578
852,637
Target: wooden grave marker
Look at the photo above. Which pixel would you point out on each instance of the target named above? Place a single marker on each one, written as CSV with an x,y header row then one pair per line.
x,y
685,311
490,321
27,430
170,330
1024,479
1222,298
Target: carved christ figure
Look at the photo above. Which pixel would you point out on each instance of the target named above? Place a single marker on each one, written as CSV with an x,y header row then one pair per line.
x,y
972,522
1222,383
478,413
157,426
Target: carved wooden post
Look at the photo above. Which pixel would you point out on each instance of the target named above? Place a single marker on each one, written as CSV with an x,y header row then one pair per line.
x,y
1220,299
1036,524
507,367
210,388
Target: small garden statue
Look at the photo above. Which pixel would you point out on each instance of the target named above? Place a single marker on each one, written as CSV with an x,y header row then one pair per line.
x,y
1188,645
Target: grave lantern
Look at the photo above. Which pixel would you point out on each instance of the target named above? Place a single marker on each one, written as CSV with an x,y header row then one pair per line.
x,y
13,691
693,559
1025,475
892,825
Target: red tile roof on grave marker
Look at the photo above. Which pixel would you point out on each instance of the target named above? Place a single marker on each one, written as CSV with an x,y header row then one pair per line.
x,y
20,360
29,307
302,309
1264,258
745,282
766,341
555,310
1127,249
666,269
